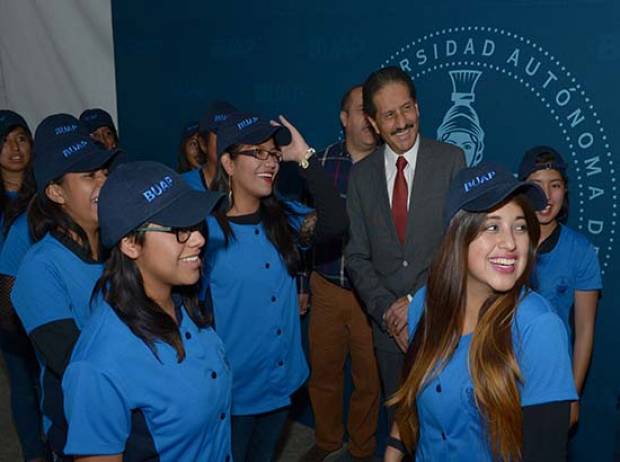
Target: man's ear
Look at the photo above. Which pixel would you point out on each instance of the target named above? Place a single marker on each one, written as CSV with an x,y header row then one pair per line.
x,y
373,124
131,248
55,193
344,118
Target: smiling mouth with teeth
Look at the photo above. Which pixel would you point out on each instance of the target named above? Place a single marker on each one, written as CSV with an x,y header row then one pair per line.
x,y
504,261
192,259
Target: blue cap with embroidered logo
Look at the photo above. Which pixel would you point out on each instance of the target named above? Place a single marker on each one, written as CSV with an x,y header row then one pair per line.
x,y
8,121
139,192
481,188
61,146
243,128
92,119
218,113
541,158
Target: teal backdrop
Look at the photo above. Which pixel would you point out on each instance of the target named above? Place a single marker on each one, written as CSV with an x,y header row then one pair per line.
x,y
494,76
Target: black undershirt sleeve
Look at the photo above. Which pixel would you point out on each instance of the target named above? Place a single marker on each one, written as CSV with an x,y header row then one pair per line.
x,y
54,342
545,432
332,220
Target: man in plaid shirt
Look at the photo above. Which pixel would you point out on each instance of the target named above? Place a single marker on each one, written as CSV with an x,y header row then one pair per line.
x,y
338,323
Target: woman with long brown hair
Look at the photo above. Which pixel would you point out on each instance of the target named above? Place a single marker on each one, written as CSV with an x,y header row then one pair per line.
x,y
487,376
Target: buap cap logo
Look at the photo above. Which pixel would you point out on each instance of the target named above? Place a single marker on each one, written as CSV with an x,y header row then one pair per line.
x,y
480,179
157,189
74,148
245,123
64,129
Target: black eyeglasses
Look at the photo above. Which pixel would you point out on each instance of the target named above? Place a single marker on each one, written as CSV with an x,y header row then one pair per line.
x,y
261,154
182,234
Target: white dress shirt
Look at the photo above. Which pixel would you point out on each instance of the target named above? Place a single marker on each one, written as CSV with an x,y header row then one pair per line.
x,y
390,158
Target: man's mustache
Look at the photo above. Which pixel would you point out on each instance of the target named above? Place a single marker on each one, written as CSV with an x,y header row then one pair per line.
x,y
401,129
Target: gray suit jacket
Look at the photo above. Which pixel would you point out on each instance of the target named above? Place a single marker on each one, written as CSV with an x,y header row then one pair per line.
x,y
381,269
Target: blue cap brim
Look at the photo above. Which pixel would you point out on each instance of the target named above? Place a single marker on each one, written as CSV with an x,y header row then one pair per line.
x,y
187,209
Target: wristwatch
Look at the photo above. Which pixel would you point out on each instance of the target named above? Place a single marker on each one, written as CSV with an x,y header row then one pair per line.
x,y
303,163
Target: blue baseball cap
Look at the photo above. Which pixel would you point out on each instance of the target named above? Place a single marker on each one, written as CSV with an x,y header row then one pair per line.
x,y
481,188
8,121
61,146
139,192
244,128
189,129
218,113
96,118
530,162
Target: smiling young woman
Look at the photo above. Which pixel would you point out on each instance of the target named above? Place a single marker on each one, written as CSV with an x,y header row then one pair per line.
x,y
567,271
57,274
150,356
253,256
486,373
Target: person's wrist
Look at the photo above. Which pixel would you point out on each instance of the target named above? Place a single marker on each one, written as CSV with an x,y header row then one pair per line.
x,y
304,160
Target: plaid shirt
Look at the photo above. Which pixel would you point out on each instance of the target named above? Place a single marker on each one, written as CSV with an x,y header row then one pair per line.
x,y
328,257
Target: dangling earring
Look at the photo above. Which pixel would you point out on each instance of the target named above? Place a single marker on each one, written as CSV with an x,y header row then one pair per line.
x,y
230,194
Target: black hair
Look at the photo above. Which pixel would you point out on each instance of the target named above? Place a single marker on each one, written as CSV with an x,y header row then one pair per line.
x,y
122,287
182,164
273,213
45,215
344,101
11,209
542,160
379,79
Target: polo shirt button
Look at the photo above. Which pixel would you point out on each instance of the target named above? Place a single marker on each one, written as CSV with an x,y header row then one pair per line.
x,y
443,436
273,298
280,363
188,335
256,232
438,388
222,416
267,265
214,375
279,332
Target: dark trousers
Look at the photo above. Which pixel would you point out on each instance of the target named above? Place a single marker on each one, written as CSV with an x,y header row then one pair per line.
x,y
390,369
254,437
22,369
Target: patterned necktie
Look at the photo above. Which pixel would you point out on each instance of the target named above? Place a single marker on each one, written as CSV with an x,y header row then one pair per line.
x,y
399,200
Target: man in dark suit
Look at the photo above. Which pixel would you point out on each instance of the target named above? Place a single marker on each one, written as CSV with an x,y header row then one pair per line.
x,y
395,200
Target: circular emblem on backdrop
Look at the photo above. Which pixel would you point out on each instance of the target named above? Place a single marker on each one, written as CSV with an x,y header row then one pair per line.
x,y
501,86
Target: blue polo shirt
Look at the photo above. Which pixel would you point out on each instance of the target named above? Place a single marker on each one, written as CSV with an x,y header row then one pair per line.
x,y
54,282
17,243
451,427
113,376
571,265
195,179
256,313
